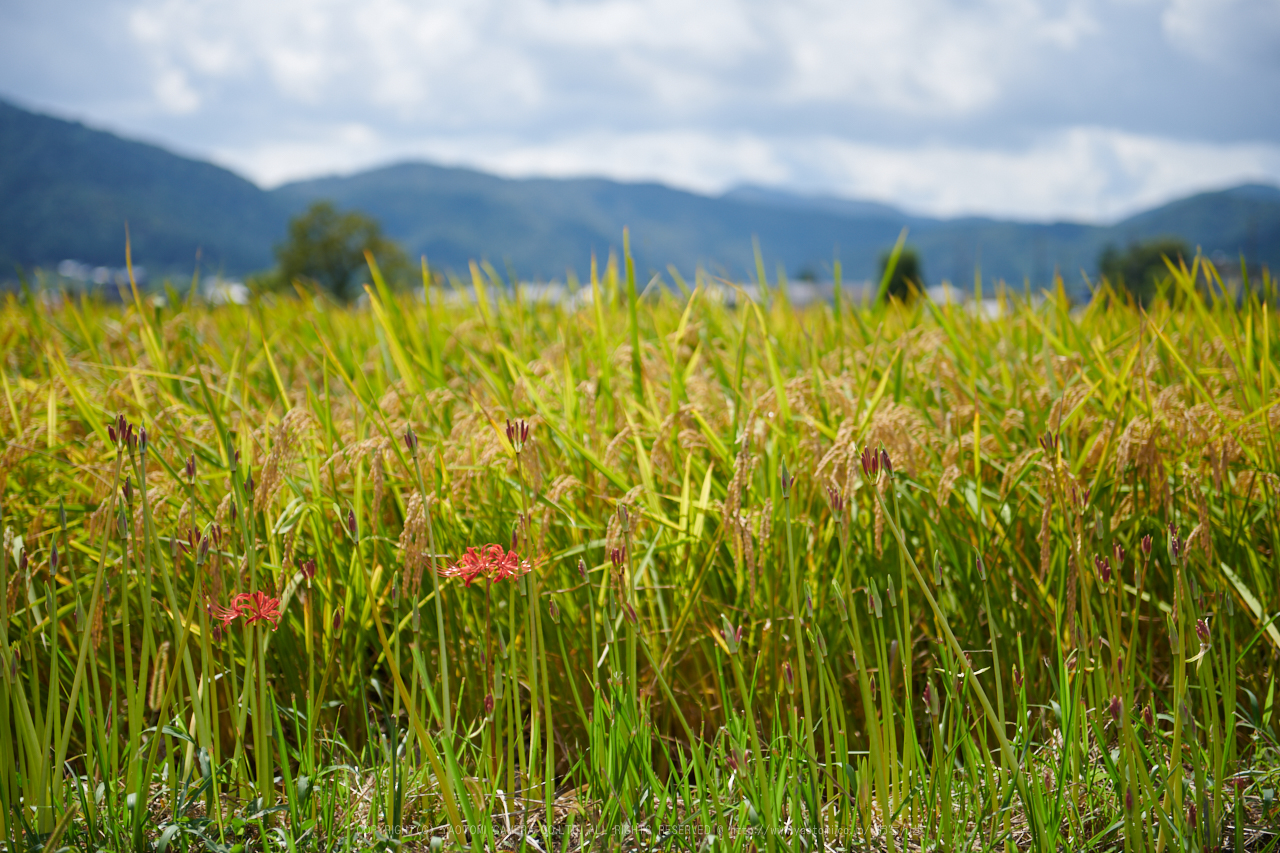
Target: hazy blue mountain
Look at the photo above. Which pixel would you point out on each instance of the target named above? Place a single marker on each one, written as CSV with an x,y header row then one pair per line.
x,y
66,192
539,226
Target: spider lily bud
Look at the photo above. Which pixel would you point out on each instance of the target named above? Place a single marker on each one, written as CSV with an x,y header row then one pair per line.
x,y
789,677
836,500
111,432
351,522
870,463
787,480
840,605
142,439
885,463
1148,718
624,519
191,467
1146,545
732,636
1119,555
488,704
411,441
982,567
873,599
1116,707
337,619
1018,679
1104,569
582,569
53,558
128,490
248,486
308,570
1202,631
554,610
1128,800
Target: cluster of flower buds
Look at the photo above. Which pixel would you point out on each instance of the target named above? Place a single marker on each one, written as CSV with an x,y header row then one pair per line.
x,y
488,704
1049,442
199,544
517,434
732,635
411,441
189,468
836,499
788,480
1146,546
1018,679
308,569
618,556
873,600
553,609
1119,553
873,462
248,485
930,699
127,490
1116,707
351,522
1103,566
121,433
1202,633
1176,545
1148,718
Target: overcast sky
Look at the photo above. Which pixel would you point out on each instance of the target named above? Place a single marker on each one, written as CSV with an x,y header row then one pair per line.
x,y
1043,110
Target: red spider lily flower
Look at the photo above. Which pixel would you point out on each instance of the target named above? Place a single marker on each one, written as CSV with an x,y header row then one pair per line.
x,y
225,615
490,561
258,606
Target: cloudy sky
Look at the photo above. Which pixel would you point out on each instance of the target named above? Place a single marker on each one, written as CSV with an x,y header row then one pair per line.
x,y
1084,109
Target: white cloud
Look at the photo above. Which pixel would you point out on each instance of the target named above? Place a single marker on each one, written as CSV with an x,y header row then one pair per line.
x,y
1036,108
926,57
1234,33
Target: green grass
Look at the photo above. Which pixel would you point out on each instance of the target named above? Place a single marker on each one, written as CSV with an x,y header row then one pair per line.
x,y
786,578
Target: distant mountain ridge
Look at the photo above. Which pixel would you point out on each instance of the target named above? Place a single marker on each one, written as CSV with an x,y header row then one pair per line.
x,y
66,191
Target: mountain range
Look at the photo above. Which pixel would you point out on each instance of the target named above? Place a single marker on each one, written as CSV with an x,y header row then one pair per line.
x,y
67,192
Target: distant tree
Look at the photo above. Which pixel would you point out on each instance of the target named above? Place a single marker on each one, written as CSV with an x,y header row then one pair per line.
x,y
1140,268
908,275
327,246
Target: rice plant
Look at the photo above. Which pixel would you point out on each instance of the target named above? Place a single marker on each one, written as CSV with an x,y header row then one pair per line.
x,y
674,571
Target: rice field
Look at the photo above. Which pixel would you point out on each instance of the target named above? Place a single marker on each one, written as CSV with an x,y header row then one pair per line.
x,y
659,571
